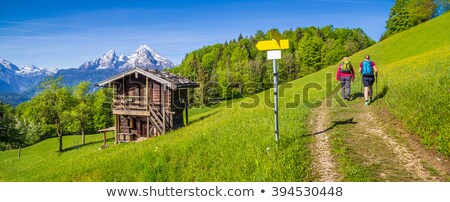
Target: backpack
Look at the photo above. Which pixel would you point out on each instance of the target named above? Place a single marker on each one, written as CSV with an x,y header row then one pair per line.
x,y
346,66
367,68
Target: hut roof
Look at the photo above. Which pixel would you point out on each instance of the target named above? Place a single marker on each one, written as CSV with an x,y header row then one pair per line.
x,y
171,80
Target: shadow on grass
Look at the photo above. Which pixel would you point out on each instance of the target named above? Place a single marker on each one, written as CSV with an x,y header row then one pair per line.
x,y
203,117
378,95
335,123
381,94
87,144
357,95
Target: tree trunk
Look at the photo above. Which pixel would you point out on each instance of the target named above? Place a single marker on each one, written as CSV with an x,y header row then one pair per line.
x,y
59,133
83,138
60,143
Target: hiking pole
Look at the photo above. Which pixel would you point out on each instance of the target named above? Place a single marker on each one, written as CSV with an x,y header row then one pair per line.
x,y
376,86
361,87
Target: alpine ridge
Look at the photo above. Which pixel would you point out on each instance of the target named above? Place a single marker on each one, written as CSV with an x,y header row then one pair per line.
x,y
143,57
24,81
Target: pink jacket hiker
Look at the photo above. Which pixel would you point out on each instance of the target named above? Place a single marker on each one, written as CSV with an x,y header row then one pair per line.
x,y
339,74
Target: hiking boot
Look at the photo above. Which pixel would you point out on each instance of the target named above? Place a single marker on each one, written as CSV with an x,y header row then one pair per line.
x,y
367,103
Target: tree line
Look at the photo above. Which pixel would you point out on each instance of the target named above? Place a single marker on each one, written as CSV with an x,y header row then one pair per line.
x,y
56,110
409,13
236,68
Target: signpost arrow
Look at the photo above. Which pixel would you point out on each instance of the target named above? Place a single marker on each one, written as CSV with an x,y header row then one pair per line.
x,y
272,45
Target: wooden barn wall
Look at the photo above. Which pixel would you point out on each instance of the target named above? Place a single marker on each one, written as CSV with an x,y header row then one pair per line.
x,y
174,99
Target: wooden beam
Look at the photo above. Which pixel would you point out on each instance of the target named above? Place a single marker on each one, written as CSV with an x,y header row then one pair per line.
x,y
113,95
146,94
186,102
164,107
148,127
117,124
131,112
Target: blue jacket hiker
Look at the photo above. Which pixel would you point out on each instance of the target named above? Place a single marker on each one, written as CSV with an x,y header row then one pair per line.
x,y
368,71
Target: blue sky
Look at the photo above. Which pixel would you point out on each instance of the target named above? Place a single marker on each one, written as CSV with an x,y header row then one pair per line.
x,y
64,34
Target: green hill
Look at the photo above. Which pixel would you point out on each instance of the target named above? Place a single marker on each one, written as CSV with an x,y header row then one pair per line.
x,y
236,142
415,68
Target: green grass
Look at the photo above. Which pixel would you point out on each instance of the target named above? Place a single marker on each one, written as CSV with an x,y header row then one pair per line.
x,y
414,68
199,113
351,165
237,144
232,144
420,96
44,159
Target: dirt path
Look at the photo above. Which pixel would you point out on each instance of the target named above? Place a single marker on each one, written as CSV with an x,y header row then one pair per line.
x,y
406,157
374,142
325,166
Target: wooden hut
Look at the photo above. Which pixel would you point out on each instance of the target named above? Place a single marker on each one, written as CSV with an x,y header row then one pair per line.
x,y
147,103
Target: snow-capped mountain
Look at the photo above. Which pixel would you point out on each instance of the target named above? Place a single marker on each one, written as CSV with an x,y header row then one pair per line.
x,y
19,79
8,78
24,81
143,57
108,60
146,57
33,70
7,66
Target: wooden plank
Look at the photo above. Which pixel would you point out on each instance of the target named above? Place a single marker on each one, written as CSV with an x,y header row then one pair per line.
x,y
116,133
113,93
156,116
158,126
148,128
127,134
146,93
164,108
187,106
131,112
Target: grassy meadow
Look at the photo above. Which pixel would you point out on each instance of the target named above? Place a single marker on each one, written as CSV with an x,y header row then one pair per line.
x,y
237,143
232,144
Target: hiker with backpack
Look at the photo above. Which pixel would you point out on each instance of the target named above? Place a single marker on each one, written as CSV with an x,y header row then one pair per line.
x,y
345,74
368,71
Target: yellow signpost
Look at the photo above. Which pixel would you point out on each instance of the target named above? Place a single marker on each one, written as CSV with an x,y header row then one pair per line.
x,y
275,44
273,48
272,45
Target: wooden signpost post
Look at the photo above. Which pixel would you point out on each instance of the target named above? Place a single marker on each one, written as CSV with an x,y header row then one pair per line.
x,y
273,48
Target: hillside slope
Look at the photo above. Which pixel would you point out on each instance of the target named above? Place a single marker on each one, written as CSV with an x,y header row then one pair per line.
x,y
415,70
385,141
236,143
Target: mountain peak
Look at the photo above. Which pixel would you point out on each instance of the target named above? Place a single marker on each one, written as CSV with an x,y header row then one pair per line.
x,y
109,60
8,65
145,47
147,54
143,57
110,53
34,70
